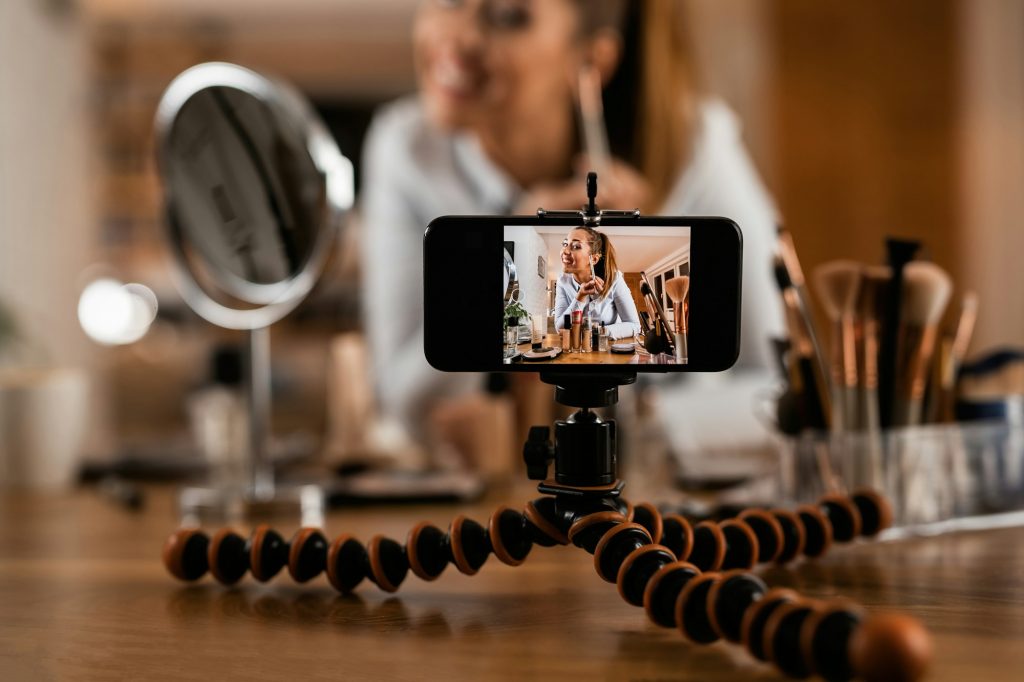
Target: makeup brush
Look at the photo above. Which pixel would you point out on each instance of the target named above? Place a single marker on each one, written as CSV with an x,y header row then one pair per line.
x,y
899,252
794,274
874,285
805,377
657,312
953,359
965,327
873,288
677,288
926,292
838,284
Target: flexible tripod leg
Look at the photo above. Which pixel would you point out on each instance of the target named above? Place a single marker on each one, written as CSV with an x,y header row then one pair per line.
x,y
799,635
755,536
509,534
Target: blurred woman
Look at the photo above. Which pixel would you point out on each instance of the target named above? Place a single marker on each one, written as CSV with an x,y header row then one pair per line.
x,y
493,130
592,283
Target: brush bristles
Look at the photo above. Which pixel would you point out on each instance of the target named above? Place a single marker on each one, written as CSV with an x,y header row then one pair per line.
x,y
838,284
926,292
965,326
677,288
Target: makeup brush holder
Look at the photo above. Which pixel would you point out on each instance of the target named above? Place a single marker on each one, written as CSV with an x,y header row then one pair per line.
x,y
938,477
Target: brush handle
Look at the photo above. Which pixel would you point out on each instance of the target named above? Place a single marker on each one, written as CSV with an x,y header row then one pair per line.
x,y
681,350
851,409
899,253
919,344
801,303
837,421
906,411
814,407
867,393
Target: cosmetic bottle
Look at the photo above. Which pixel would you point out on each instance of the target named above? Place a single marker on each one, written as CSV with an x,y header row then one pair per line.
x,y
566,332
603,343
577,324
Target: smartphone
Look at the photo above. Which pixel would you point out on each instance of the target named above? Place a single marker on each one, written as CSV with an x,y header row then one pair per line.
x,y
472,312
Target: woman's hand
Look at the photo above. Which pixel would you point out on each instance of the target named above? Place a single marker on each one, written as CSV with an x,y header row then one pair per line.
x,y
564,195
591,288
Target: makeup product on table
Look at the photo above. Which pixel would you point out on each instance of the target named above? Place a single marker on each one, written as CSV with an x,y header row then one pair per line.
x,y
925,294
577,325
566,332
538,327
602,340
838,284
899,252
657,341
595,337
586,335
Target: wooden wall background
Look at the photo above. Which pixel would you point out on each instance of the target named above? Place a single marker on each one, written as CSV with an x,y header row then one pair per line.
x,y
876,118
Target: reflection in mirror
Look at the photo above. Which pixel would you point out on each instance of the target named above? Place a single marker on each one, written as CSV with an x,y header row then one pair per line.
x,y
255,190
511,279
247,193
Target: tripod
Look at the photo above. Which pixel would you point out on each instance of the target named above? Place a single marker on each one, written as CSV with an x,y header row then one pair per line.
x,y
694,578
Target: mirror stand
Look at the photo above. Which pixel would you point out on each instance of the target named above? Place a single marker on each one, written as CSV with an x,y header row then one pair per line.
x,y
256,190
258,494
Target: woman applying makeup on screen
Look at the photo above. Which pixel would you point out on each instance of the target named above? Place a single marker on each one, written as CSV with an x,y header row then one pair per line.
x,y
591,282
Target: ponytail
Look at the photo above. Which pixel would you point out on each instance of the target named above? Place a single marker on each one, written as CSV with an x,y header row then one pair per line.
x,y
600,244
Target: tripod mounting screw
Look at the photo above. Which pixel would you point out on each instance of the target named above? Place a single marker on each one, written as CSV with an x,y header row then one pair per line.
x,y
538,452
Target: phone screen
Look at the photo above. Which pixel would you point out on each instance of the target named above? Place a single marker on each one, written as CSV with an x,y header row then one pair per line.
x,y
584,296
626,289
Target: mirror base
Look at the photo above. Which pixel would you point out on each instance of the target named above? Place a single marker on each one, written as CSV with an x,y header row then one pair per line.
x,y
201,505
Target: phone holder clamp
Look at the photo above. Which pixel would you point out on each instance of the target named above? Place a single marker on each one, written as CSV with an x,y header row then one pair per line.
x,y
590,213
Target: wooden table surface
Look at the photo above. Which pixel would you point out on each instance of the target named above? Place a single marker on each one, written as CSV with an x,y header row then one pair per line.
x,y
83,595
591,357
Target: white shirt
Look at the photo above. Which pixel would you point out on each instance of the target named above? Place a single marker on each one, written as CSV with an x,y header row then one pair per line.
x,y
414,173
616,311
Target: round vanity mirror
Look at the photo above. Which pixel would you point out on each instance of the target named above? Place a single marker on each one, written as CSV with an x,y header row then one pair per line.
x,y
255,189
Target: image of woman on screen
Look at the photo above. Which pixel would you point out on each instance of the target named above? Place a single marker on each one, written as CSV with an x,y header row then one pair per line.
x,y
591,282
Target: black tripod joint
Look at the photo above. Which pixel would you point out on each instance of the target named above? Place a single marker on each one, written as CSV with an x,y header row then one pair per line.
x,y
584,450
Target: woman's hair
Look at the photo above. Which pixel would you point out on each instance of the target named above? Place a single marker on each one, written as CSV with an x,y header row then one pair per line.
x,y
648,103
601,245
